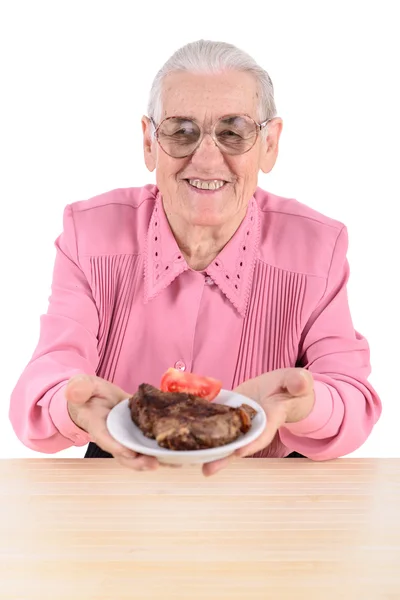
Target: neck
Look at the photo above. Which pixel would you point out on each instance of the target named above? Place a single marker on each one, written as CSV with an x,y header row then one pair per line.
x,y
200,244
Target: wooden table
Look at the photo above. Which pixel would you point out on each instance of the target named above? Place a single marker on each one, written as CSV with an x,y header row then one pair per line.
x,y
88,529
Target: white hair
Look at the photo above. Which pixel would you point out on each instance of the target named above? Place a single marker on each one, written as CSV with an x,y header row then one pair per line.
x,y
204,56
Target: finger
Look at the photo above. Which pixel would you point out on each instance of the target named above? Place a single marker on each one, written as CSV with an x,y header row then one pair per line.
x,y
100,435
81,388
298,382
139,463
109,391
217,465
275,419
264,385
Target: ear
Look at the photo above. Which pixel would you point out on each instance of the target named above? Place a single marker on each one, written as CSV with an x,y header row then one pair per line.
x,y
148,144
270,146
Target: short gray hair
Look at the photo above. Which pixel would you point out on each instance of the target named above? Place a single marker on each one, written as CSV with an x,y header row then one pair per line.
x,y
205,56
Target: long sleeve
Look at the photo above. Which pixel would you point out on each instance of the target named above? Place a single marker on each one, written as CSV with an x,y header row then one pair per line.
x,y
346,406
67,346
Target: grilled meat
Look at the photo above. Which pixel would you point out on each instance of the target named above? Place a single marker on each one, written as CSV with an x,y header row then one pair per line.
x,y
180,421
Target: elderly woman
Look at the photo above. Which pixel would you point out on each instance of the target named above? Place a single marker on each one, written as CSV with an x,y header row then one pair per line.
x,y
204,272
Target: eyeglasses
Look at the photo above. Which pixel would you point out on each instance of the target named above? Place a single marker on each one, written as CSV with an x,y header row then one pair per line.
x,y
233,134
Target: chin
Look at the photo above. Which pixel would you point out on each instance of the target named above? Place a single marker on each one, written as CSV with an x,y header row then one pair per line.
x,y
206,218
207,212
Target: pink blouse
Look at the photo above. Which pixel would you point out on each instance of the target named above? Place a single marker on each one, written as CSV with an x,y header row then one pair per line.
x,y
126,306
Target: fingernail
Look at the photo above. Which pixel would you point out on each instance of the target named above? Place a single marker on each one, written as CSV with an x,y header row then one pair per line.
x,y
77,379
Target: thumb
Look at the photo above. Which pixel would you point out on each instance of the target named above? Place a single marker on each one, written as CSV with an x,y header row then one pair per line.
x,y
83,387
298,382
80,389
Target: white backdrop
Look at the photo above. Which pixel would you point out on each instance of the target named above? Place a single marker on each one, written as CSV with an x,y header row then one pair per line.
x,y
75,78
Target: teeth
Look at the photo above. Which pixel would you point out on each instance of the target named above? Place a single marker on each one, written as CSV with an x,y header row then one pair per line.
x,y
207,185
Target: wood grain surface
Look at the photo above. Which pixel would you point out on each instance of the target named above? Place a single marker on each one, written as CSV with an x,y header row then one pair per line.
x,y
292,528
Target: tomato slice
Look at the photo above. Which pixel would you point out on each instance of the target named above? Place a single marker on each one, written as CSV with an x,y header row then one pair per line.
x,y
174,380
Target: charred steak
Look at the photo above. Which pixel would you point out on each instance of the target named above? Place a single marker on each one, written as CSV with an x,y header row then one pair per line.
x,y
180,421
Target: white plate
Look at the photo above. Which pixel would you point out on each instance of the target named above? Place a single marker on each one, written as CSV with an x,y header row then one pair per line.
x,y
124,430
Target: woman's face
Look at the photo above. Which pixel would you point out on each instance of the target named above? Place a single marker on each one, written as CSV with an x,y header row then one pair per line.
x,y
206,98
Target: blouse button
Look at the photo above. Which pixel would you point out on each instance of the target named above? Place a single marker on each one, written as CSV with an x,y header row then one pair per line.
x,y
180,365
208,280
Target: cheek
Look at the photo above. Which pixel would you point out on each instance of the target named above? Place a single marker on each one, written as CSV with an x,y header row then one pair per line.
x,y
165,180
245,168
246,178
168,169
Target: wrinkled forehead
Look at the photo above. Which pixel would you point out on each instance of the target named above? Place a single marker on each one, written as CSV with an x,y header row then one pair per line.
x,y
206,97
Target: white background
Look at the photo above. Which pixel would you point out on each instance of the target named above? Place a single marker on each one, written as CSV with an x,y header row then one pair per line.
x,y
75,78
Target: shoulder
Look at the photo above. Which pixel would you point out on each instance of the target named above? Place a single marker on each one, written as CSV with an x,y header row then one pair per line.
x,y
296,237
115,222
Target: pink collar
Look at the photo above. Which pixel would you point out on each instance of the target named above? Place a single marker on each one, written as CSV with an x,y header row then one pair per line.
x,y
232,270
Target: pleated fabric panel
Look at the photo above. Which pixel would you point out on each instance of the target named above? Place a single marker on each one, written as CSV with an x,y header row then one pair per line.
x,y
272,326
114,282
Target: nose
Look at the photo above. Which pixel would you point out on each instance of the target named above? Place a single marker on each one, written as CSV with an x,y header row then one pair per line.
x,y
207,152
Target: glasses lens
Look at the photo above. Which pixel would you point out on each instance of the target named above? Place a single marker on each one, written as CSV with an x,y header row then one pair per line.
x,y
236,134
178,137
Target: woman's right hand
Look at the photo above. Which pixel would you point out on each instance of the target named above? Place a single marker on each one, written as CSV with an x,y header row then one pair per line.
x,y
89,400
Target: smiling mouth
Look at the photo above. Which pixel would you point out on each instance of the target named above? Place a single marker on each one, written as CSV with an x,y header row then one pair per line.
x,y
210,185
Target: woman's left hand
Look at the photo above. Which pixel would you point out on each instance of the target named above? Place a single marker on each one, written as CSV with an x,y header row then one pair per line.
x,y
286,395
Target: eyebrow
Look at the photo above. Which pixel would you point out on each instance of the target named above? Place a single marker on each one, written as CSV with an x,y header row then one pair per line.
x,y
180,116
228,116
